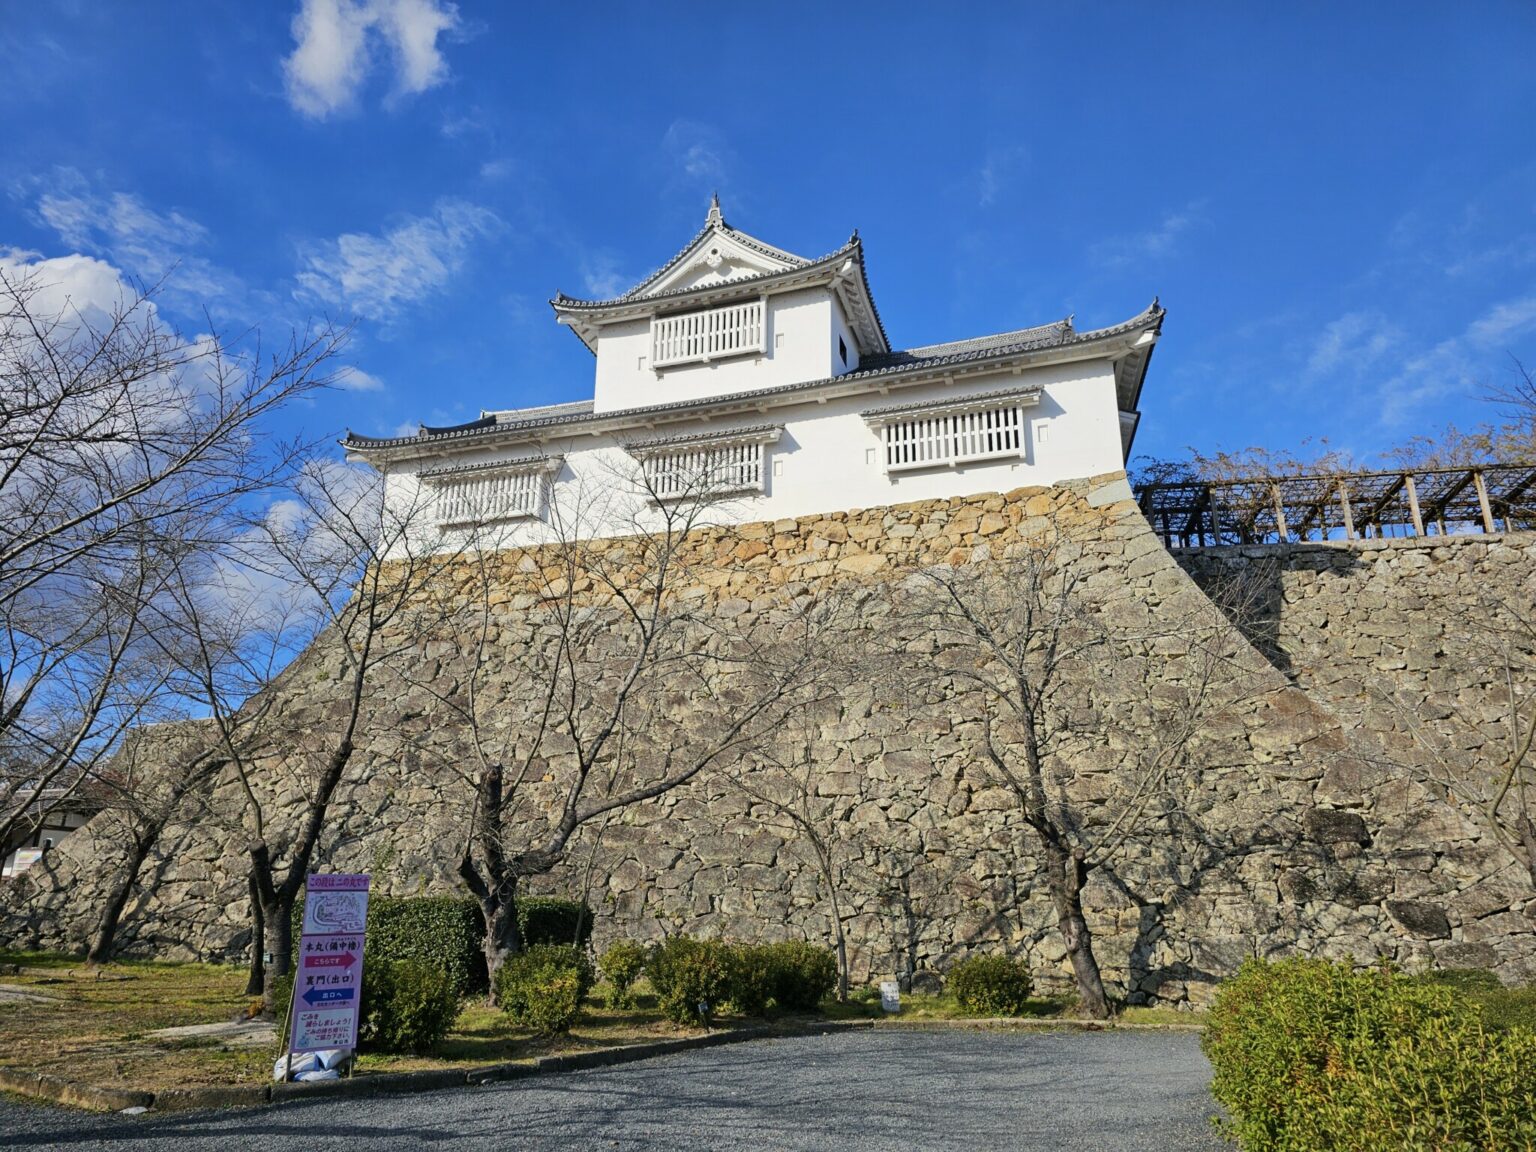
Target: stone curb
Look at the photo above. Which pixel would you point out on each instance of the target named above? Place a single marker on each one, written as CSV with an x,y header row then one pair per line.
x,y
429,1080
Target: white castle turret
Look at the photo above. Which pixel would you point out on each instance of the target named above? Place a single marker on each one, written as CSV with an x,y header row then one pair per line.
x,y
771,374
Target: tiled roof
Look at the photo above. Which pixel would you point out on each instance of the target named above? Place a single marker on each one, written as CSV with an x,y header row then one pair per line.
x,y
714,222
564,303
979,399
1060,334
751,432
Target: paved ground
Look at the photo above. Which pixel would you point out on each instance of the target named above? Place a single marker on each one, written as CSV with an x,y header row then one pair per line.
x,y
1105,1091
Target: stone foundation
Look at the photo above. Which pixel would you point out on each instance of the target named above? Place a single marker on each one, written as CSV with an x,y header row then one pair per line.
x,y
1292,836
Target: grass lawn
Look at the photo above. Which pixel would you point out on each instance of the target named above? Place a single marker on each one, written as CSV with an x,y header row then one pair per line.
x,y
95,1029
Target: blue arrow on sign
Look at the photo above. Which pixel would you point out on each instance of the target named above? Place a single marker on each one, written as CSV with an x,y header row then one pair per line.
x,y
315,996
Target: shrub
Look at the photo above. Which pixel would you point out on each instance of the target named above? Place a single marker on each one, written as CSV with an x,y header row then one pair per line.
x,y
991,985
1312,1055
1502,1008
686,973
407,1006
542,987
805,974
754,977
621,965
550,920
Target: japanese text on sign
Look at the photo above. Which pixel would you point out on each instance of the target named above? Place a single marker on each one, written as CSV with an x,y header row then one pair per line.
x,y
328,979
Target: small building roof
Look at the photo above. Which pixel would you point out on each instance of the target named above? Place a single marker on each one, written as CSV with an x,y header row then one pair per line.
x,y
765,269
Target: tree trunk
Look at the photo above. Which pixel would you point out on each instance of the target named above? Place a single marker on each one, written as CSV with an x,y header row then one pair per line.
x,y
257,983
839,935
278,917
502,936
117,899
497,897
1066,874
842,960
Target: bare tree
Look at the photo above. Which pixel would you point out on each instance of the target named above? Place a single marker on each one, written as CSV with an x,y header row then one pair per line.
x,y
1090,720
781,774
149,783
608,690
335,565
124,451
1474,733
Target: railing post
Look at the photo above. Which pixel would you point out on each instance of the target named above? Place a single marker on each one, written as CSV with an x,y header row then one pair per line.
x,y
1413,505
1349,516
1482,501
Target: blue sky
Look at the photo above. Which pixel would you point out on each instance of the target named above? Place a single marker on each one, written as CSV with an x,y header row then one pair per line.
x,y
1337,203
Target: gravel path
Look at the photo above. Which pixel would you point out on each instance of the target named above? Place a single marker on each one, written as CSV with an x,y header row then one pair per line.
x,y
1104,1091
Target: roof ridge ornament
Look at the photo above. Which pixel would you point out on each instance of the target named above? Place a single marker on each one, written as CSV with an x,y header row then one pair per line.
x,y
714,219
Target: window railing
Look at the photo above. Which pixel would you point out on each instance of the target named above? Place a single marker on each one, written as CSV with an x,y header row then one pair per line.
x,y
734,330
491,494
699,467
704,471
914,436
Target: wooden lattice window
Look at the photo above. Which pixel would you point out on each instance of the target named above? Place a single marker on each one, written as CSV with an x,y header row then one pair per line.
x,y
730,464
991,428
492,493
733,330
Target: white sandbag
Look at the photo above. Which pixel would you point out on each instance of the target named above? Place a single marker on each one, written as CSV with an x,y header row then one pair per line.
x,y
333,1057
288,1067
319,1074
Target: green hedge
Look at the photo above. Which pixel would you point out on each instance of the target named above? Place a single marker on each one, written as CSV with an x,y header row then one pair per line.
x,y
443,931
621,966
685,972
1502,1008
551,920
1310,1056
447,931
805,974
691,977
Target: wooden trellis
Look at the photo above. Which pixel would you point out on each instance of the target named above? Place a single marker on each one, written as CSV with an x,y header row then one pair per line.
x,y
1342,506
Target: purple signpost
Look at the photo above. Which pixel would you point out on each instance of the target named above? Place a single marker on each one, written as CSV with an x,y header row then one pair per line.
x,y
328,980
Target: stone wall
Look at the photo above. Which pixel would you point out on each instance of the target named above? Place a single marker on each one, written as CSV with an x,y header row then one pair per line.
x,y
1417,644
1289,833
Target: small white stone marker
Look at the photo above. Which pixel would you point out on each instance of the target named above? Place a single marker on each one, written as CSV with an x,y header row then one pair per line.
x,y
890,995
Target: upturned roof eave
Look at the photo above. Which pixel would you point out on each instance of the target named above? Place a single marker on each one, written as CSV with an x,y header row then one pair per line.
x,y
584,317
636,304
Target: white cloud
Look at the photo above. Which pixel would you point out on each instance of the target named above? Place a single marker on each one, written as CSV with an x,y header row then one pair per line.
x,y
493,170
699,152
69,284
1512,318
1457,365
1153,244
336,43
997,171
155,246
601,277
1355,340
356,380
376,276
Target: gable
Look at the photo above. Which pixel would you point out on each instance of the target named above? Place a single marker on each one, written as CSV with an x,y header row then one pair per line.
x,y
718,256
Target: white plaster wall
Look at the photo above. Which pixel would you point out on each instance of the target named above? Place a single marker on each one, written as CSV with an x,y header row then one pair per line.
x,y
841,330
827,459
797,327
